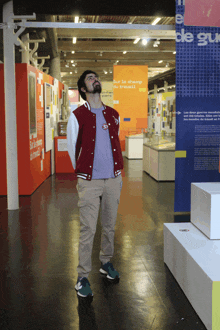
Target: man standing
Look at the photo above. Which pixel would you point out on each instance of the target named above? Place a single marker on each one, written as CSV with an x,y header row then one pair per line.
x,y
95,152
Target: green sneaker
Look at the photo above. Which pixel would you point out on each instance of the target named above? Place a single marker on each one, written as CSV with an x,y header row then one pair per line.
x,y
83,288
108,269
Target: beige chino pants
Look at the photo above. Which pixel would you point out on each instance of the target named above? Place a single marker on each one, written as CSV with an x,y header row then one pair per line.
x,y
93,194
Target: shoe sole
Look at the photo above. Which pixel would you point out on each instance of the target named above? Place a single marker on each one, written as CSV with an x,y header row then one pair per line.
x,y
81,295
103,272
85,300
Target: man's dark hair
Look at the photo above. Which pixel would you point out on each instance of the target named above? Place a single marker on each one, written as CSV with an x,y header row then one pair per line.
x,y
81,82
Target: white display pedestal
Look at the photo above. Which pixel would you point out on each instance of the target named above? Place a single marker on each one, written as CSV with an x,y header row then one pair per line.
x,y
193,255
146,158
134,146
194,261
160,164
205,208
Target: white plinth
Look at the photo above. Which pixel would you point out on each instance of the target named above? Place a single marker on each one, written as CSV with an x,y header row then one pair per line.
x,y
205,208
160,164
134,146
146,158
194,261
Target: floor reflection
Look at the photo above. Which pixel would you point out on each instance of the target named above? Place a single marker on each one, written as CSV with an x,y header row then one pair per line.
x,y
39,256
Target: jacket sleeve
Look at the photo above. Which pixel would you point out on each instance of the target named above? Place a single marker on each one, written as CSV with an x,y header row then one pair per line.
x,y
72,135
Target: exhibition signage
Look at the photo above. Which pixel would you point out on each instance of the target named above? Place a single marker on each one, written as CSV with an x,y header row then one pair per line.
x,y
198,106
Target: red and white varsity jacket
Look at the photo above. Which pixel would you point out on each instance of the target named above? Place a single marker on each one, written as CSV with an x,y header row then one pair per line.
x,y
81,135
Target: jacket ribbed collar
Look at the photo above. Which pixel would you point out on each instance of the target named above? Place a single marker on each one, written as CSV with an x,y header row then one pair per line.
x,y
88,106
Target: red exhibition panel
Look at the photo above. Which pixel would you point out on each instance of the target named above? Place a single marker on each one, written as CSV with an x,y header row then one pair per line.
x,y
62,159
34,164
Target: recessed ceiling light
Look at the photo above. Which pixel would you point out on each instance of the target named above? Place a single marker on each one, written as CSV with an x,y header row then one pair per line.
x,y
124,52
74,40
144,42
136,40
71,73
160,62
156,21
174,52
73,51
72,61
76,19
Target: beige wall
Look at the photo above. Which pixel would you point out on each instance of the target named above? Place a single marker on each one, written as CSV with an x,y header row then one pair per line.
x,y
107,93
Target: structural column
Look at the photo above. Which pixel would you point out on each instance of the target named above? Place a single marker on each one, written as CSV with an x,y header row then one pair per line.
x,y
55,68
10,108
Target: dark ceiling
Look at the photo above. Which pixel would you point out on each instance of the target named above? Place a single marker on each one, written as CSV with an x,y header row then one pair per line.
x,y
96,7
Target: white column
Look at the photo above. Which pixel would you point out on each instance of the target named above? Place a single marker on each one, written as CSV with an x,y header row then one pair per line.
x,y
166,86
55,68
10,109
25,53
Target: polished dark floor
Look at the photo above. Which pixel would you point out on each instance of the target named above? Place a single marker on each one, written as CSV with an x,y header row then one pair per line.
x,y
39,256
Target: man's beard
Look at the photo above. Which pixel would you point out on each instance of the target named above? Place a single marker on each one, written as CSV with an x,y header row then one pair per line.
x,y
96,89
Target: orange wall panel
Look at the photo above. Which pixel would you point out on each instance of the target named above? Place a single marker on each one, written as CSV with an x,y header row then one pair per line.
x,y
130,90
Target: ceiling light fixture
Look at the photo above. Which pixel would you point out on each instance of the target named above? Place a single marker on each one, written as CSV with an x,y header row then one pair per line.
x,y
160,62
156,21
73,51
71,73
136,40
144,42
76,19
174,52
72,61
74,40
124,52
73,64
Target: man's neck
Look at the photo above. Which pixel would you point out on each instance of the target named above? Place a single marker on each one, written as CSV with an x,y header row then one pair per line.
x,y
94,100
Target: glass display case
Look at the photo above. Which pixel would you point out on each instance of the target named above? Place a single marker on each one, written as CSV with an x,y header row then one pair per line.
x,y
159,155
160,141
